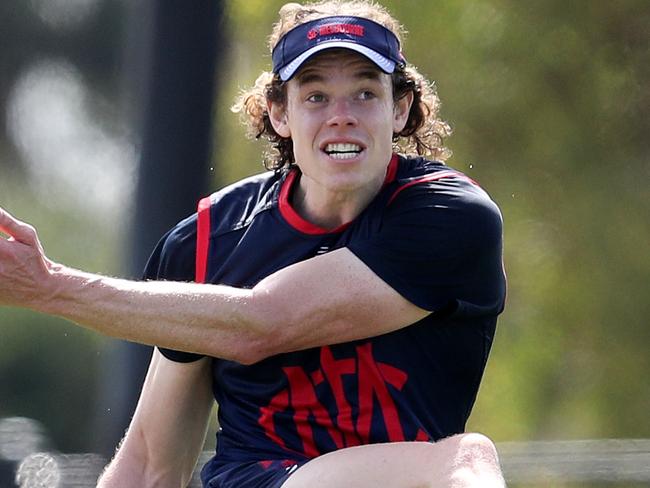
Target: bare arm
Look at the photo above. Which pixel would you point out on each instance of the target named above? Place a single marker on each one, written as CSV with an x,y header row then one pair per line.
x,y
326,299
168,428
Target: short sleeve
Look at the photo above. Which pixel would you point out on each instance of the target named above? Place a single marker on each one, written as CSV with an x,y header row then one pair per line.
x,y
173,260
439,245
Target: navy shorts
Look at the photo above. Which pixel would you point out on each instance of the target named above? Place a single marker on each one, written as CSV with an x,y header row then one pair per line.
x,y
254,474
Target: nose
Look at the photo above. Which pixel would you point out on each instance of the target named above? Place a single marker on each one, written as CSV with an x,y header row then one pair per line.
x,y
341,113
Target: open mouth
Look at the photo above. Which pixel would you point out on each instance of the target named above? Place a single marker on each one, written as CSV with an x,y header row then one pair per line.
x,y
343,150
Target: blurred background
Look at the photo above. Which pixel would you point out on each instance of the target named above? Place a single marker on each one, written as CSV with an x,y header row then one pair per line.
x,y
102,101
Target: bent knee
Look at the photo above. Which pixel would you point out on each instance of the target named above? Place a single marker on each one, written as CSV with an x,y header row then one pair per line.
x,y
474,446
476,462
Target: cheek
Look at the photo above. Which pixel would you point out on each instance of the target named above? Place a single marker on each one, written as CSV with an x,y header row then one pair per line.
x,y
389,117
304,127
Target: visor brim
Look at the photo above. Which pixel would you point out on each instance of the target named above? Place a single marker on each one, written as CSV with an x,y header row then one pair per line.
x,y
383,63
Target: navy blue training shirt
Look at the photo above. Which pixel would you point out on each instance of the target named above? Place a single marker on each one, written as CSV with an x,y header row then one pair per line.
x,y
433,235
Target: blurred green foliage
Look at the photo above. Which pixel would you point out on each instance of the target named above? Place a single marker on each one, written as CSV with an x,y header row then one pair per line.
x,y
550,105
49,367
550,102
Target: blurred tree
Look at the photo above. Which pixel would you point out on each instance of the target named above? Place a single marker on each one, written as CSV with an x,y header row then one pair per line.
x,y
89,45
549,102
176,50
47,367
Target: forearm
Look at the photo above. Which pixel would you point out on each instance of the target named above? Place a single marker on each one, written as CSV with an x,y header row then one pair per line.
x,y
128,470
129,474
215,320
168,428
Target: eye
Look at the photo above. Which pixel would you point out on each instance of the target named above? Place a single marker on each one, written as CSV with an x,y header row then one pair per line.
x,y
316,98
367,95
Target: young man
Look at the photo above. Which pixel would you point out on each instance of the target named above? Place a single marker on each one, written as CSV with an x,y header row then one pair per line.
x,y
353,292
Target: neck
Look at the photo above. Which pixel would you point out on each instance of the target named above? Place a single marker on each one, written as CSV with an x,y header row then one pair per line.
x,y
331,209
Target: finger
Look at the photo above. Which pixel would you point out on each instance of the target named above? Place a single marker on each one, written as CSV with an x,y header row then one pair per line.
x,y
6,220
13,227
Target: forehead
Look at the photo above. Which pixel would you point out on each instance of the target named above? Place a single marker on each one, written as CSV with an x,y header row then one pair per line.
x,y
338,60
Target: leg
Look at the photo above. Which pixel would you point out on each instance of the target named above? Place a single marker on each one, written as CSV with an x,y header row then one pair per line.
x,y
461,461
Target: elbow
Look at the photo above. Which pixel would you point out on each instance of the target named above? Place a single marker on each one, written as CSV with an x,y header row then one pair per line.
x,y
252,352
243,348
257,348
249,358
267,327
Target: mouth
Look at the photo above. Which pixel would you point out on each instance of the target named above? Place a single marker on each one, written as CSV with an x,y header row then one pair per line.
x,y
342,150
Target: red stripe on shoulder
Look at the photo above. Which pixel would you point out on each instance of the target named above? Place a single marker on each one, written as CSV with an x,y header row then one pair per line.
x,y
433,177
202,239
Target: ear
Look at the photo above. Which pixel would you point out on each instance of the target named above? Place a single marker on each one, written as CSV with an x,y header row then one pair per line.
x,y
401,112
278,117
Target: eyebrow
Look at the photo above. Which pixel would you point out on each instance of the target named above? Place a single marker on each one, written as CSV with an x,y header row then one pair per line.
x,y
312,76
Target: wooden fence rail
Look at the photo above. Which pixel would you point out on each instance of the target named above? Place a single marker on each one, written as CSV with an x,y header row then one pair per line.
x,y
543,463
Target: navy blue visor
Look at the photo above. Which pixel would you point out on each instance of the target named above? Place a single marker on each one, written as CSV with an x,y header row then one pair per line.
x,y
364,36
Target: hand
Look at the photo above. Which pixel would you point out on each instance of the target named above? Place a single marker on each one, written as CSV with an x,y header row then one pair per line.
x,y
24,268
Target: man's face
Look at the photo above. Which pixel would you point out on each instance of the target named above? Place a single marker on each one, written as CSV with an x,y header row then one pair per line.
x,y
341,117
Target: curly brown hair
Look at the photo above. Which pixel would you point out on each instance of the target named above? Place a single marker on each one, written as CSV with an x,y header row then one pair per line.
x,y
424,132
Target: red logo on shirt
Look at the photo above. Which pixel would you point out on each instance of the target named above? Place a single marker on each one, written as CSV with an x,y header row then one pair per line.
x,y
301,398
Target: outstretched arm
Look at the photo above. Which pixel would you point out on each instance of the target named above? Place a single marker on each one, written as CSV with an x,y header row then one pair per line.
x,y
326,299
168,428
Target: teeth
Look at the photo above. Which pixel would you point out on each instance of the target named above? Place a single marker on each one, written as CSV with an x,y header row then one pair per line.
x,y
343,155
343,148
